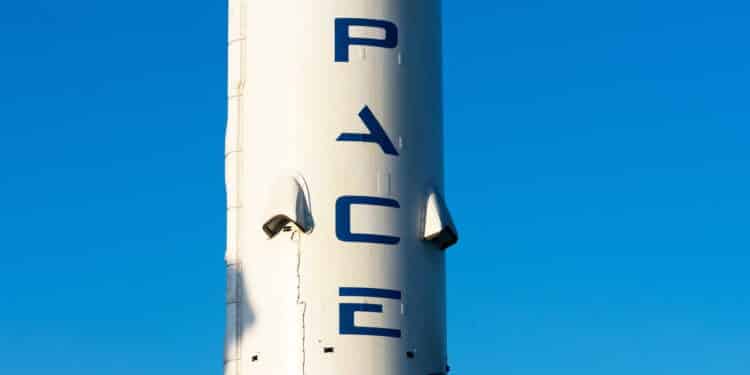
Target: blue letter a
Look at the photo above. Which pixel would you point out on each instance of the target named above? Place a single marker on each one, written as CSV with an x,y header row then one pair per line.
x,y
377,134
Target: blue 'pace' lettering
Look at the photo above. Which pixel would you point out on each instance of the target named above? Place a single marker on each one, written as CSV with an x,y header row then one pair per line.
x,y
377,133
344,219
343,40
347,311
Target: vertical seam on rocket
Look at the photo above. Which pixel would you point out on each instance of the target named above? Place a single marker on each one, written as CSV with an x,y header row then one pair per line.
x,y
299,299
235,260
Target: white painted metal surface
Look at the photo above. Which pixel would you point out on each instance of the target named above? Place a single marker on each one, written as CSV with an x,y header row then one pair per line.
x,y
334,174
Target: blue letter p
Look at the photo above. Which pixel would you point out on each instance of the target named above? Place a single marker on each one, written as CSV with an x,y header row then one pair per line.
x,y
343,40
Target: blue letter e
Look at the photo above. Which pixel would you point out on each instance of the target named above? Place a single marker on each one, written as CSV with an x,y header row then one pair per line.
x,y
347,311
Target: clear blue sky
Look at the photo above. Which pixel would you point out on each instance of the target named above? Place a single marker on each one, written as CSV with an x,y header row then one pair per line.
x,y
597,161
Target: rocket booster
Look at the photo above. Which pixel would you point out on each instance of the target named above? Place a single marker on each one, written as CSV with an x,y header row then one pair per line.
x,y
337,224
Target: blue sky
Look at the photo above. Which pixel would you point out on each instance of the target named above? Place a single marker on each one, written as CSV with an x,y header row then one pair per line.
x,y
597,161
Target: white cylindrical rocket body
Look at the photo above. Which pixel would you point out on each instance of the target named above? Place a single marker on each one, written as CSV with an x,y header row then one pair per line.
x,y
334,165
